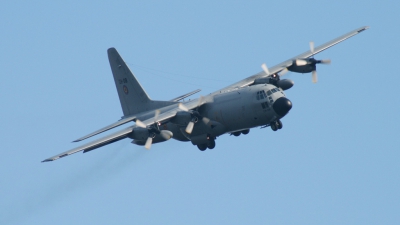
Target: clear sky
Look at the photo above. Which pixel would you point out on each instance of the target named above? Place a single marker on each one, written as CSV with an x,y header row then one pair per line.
x,y
336,160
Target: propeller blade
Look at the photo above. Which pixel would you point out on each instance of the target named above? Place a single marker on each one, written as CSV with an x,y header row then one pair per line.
x,y
314,76
283,72
312,47
326,61
205,120
183,107
189,127
265,68
156,114
301,62
148,143
140,124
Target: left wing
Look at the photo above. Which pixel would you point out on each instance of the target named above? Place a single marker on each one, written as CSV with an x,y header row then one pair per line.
x,y
119,135
281,66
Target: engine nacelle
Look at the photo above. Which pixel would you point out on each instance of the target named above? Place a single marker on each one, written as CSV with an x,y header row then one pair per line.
x,y
303,65
139,133
182,118
284,84
140,136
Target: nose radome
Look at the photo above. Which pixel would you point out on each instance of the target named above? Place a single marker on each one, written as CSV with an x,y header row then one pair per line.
x,y
282,106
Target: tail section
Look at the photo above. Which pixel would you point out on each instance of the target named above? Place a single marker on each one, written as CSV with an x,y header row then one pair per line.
x,y
132,96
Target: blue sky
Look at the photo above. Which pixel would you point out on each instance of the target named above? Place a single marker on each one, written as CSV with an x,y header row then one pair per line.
x,y
336,161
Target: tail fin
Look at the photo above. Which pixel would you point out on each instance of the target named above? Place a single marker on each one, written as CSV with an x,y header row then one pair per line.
x,y
132,96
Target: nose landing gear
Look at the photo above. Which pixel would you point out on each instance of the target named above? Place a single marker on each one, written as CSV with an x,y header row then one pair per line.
x,y
276,125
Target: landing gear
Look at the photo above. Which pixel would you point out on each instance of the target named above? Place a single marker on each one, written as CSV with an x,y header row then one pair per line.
x,y
202,147
236,133
279,124
245,131
210,145
276,125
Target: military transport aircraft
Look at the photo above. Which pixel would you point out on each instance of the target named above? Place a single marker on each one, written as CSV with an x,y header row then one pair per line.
x,y
258,100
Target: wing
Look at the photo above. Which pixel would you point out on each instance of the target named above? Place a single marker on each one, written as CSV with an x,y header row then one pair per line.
x,y
94,144
184,96
277,68
111,126
119,135
317,50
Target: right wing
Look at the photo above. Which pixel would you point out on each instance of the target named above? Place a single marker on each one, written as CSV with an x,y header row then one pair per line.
x,y
119,135
129,119
111,126
95,144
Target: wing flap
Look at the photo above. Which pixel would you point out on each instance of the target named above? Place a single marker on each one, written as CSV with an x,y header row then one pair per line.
x,y
185,96
111,126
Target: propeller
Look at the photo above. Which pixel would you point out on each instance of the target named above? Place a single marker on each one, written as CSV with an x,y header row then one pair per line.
x,y
266,70
312,62
195,115
152,131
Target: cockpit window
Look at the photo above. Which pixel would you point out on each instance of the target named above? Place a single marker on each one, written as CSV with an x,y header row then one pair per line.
x,y
261,95
265,105
269,92
273,90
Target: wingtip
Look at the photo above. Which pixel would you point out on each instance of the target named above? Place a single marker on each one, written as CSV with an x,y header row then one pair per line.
x,y
47,160
363,29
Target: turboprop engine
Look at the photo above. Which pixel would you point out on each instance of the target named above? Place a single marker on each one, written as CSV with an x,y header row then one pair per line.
x,y
284,84
146,135
141,135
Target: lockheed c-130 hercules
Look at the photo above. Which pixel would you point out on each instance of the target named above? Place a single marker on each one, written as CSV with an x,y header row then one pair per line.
x,y
258,100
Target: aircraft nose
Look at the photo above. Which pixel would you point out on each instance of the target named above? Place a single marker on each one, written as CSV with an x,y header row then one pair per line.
x,y
282,106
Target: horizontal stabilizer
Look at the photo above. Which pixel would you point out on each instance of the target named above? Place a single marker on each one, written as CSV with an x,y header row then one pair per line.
x,y
185,96
94,144
111,126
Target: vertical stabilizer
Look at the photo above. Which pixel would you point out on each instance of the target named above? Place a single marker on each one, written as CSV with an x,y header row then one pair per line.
x,y
132,96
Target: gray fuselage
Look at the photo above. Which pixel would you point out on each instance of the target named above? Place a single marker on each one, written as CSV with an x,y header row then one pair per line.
x,y
228,112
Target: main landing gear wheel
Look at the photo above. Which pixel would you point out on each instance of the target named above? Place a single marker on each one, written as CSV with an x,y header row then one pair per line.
x,y
211,144
236,133
202,147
